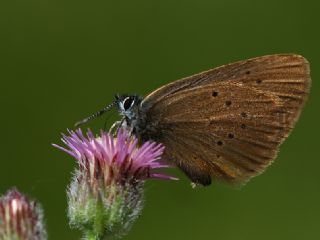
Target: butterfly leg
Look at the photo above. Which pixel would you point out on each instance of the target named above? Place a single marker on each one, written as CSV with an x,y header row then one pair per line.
x,y
115,126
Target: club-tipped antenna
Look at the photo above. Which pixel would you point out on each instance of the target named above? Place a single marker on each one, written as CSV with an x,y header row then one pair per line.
x,y
95,115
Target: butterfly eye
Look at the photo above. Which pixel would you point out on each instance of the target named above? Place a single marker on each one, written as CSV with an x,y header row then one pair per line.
x,y
127,103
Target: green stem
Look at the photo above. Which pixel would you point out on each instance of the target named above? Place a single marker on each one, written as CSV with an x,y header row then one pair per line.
x,y
97,230
98,226
89,235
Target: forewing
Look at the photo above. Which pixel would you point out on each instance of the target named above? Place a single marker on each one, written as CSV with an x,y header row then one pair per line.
x,y
229,122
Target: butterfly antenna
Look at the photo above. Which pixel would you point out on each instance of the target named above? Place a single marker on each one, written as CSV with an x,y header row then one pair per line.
x,y
95,115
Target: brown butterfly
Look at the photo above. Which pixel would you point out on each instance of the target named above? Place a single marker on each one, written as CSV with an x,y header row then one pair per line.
x,y
226,123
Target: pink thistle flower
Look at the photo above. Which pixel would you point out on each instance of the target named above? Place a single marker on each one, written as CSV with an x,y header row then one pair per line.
x,y
114,159
107,188
20,219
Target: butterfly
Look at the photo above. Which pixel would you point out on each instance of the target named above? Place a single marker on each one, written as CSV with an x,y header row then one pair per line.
x,y
226,123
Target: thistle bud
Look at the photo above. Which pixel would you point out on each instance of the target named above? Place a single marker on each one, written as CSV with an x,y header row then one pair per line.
x,y
106,193
20,218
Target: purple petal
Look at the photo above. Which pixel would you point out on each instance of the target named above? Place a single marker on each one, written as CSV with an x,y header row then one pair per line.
x,y
121,154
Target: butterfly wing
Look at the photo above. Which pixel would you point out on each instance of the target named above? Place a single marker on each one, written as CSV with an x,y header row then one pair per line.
x,y
228,122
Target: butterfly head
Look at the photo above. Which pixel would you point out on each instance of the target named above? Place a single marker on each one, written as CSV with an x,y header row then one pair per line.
x,y
128,105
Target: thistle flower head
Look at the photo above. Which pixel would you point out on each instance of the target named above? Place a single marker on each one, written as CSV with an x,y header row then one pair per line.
x,y
20,219
106,194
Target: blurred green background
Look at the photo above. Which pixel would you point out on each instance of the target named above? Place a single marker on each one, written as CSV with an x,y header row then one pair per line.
x,y
62,60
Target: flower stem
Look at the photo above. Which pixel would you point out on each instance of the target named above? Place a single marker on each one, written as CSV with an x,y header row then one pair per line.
x,y
89,235
99,221
96,232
